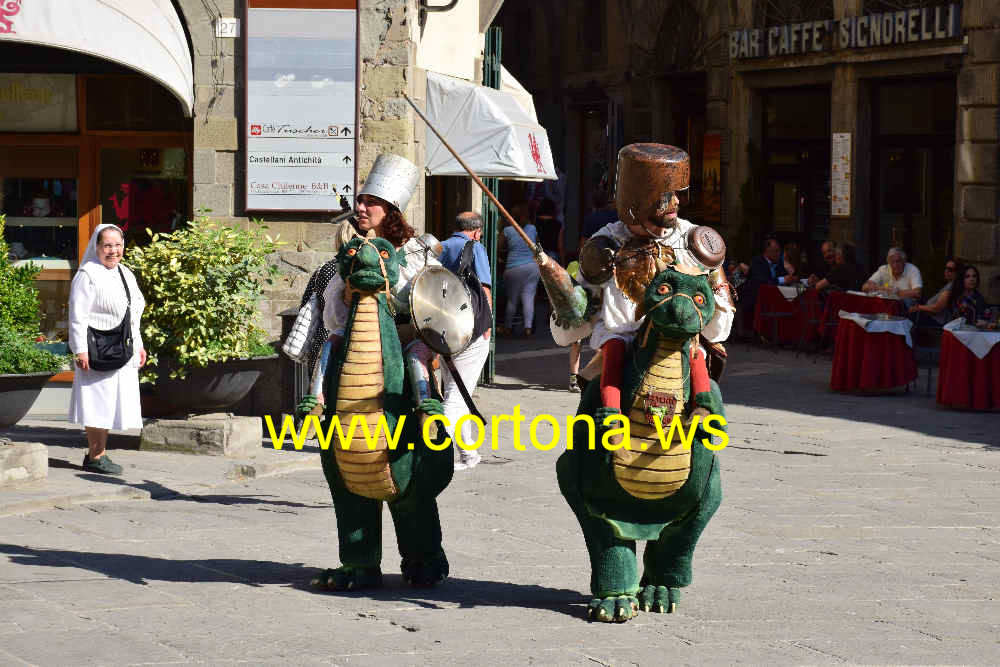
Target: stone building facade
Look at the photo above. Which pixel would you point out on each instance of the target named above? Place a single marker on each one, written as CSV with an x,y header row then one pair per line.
x,y
916,116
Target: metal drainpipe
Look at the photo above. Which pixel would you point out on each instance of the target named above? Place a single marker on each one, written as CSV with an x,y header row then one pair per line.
x,y
437,8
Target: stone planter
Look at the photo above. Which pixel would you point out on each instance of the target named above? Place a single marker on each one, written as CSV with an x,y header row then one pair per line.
x,y
204,390
18,394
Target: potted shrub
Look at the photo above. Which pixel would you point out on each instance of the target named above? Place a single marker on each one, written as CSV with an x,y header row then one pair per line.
x,y
203,286
24,368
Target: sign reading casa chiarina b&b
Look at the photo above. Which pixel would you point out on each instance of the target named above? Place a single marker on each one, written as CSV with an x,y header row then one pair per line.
x,y
301,105
897,28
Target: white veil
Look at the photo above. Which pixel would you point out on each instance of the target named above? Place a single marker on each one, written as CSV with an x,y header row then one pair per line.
x,y
90,255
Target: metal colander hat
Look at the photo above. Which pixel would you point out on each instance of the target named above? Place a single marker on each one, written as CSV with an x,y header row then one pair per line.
x,y
392,178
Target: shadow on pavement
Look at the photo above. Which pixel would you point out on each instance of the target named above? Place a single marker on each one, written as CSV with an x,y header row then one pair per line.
x,y
158,491
466,593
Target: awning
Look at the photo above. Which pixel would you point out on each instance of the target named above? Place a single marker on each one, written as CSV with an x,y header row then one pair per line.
x,y
490,129
144,35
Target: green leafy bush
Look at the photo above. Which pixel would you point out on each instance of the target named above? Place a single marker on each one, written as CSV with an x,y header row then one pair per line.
x,y
19,309
203,285
18,355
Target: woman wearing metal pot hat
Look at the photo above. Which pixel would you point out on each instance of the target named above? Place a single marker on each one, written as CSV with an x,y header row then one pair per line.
x,y
380,204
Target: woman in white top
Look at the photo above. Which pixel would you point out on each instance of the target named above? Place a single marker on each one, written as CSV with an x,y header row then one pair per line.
x,y
104,400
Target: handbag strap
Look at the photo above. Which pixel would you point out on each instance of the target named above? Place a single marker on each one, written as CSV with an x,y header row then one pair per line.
x,y
128,295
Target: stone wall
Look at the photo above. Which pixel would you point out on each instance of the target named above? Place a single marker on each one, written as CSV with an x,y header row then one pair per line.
x,y
976,179
388,36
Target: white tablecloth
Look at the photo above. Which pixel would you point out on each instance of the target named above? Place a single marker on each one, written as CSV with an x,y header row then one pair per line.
x,y
789,292
979,342
874,325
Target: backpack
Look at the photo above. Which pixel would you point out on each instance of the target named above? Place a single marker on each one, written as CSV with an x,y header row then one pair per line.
x,y
480,303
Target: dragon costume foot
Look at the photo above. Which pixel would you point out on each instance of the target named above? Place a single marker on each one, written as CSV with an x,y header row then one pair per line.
x,y
613,609
346,578
659,599
425,573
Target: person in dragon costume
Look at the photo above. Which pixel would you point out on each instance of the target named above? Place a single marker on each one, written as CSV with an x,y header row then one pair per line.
x,y
660,301
365,381
373,377
645,491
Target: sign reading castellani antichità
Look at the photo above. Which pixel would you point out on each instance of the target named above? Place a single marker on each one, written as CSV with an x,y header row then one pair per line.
x,y
905,26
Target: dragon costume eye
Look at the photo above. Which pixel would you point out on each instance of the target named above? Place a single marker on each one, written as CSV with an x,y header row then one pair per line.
x,y
663,289
699,299
385,254
352,252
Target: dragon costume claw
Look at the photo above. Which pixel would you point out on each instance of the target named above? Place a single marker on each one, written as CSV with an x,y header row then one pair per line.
x,y
613,609
347,578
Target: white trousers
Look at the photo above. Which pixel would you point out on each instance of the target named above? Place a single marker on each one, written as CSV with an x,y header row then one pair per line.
x,y
469,365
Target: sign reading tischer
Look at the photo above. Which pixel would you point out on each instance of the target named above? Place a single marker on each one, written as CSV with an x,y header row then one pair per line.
x,y
905,26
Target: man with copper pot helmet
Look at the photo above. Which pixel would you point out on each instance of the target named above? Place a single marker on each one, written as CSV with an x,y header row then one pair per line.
x,y
619,261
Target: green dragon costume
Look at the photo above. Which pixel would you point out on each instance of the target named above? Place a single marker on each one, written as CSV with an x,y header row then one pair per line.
x,y
645,492
366,377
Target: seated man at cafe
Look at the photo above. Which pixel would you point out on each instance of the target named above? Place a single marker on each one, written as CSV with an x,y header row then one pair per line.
x,y
843,273
829,252
897,278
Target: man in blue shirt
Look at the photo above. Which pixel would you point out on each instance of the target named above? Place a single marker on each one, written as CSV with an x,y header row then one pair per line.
x,y
470,362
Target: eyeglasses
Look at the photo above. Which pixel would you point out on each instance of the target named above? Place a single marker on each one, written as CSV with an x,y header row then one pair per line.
x,y
112,246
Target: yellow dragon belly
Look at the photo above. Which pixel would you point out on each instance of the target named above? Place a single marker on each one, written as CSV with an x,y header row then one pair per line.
x,y
360,395
648,471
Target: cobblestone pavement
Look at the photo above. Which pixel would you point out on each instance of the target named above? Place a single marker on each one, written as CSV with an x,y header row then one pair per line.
x,y
852,530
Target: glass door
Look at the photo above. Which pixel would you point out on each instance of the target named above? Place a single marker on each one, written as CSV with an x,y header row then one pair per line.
x,y
143,188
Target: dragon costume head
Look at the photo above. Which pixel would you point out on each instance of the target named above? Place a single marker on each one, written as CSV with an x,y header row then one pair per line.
x,y
678,305
368,264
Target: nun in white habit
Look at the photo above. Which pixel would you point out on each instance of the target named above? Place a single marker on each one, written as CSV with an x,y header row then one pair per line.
x,y
104,400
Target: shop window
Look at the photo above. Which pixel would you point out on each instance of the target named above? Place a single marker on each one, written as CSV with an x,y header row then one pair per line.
x,y
38,195
797,114
143,189
917,107
118,103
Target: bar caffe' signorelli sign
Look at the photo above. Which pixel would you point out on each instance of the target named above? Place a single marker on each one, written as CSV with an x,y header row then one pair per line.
x,y
905,26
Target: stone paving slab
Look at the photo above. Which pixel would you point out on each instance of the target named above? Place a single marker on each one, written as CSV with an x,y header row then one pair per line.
x,y
146,475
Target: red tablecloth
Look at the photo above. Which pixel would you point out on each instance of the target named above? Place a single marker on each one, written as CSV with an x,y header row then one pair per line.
x,y
793,315
864,361
854,303
965,380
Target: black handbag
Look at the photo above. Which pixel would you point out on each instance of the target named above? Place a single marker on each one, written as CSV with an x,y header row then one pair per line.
x,y
110,349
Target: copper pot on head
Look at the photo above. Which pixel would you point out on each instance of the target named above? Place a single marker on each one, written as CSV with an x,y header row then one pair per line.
x,y
647,177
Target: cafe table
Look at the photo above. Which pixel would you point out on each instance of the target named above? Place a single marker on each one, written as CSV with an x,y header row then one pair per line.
x,y
969,368
873,353
781,313
854,302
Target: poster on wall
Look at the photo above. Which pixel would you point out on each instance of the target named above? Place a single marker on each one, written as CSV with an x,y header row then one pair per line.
x,y
302,107
711,178
840,175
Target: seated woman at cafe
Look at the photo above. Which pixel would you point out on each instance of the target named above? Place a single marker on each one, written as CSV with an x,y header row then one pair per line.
x,y
970,302
896,277
843,274
940,308
960,298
